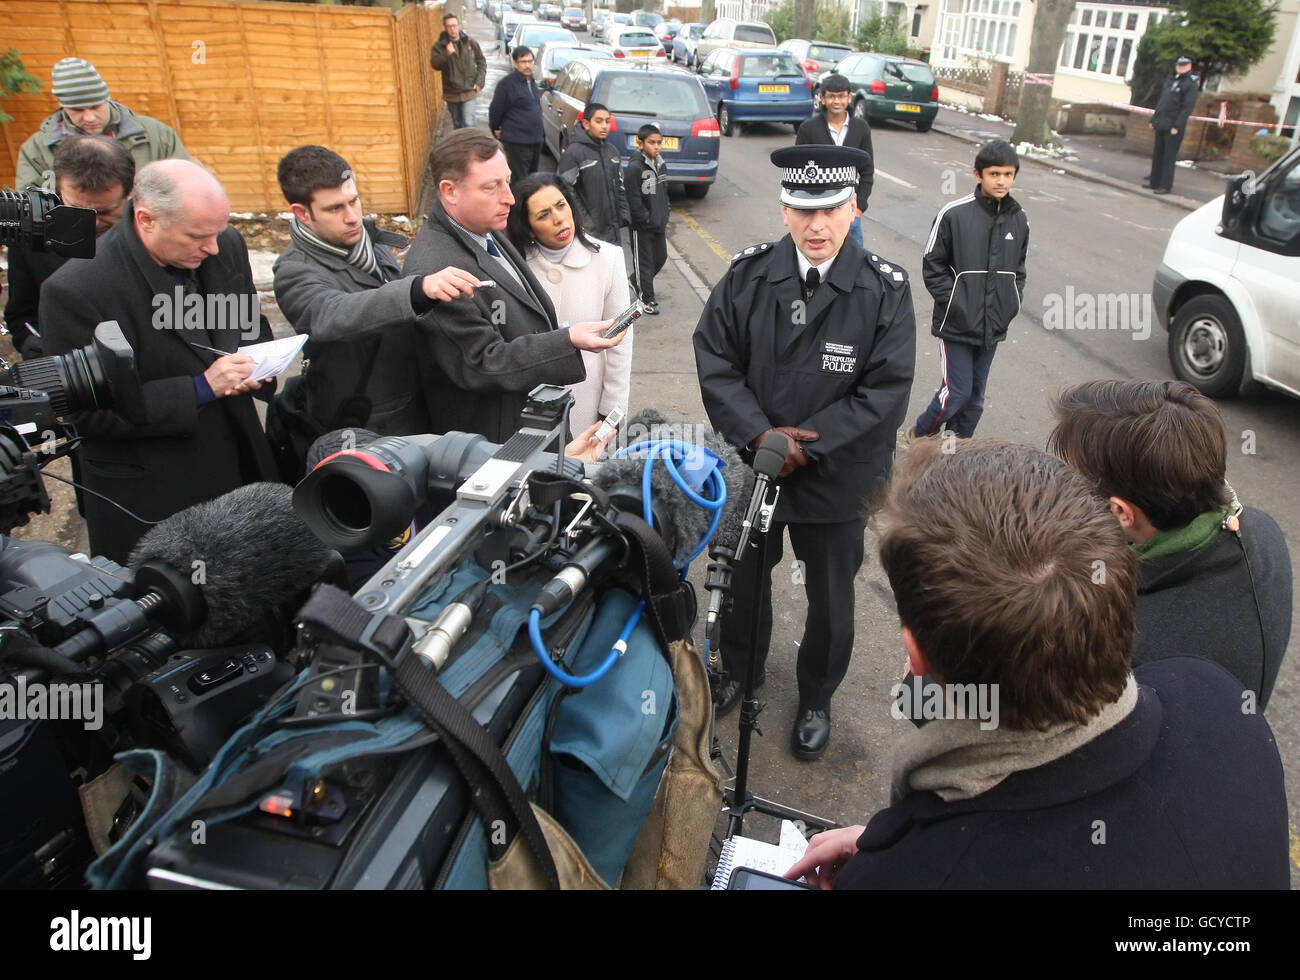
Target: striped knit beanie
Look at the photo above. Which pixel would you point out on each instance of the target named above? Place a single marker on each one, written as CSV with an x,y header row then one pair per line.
x,y
77,85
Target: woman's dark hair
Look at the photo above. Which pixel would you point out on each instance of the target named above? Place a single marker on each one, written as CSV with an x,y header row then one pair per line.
x,y
520,229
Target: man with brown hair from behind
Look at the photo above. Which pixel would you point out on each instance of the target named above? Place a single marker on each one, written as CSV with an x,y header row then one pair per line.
x,y
1015,584
1214,579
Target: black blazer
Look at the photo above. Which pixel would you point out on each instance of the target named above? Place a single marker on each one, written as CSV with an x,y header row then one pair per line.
x,y
815,130
183,454
481,355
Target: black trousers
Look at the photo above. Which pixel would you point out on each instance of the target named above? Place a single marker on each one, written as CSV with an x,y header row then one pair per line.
x,y
830,556
1163,158
649,253
524,159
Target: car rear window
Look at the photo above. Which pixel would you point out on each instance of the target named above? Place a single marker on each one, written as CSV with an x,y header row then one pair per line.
x,y
572,12
755,35
637,37
769,67
826,52
621,18
911,73
563,56
536,35
658,96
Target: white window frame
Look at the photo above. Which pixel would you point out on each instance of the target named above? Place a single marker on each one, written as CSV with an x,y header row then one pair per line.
x,y
1106,41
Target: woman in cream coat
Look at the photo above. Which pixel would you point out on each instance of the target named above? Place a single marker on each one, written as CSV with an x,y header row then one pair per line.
x,y
585,278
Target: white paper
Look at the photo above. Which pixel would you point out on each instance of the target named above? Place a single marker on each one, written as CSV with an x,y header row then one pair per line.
x,y
745,852
274,356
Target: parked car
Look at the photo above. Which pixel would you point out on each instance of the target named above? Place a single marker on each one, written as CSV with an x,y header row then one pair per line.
x,y
573,18
548,11
495,10
816,58
886,86
726,33
523,6
634,42
510,21
611,21
647,18
683,51
1226,287
638,93
552,56
666,32
532,35
755,86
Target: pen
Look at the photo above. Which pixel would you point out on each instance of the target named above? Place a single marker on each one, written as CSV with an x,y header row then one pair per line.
x,y
223,353
487,282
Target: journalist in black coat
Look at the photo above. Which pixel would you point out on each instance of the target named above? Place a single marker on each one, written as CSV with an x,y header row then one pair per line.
x,y
485,350
189,450
831,368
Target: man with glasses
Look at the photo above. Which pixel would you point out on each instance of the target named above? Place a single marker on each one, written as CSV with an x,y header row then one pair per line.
x,y
836,127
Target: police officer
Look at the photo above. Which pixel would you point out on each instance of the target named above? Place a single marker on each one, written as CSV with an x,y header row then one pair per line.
x,y
1177,97
815,338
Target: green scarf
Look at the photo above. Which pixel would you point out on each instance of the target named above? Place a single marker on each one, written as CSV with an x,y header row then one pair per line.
x,y
1189,537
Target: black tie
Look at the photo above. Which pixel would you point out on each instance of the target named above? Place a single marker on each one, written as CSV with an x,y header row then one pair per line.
x,y
811,283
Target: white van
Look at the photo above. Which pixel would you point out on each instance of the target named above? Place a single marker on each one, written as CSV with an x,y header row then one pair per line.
x,y
1228,289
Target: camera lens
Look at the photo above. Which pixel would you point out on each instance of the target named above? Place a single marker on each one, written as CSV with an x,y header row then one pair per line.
x,y
74,381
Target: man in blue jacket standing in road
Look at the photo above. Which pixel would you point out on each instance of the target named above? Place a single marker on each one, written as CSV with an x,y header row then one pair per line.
x,y
515,116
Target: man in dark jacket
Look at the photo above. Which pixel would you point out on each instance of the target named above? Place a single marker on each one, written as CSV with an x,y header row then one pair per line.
x,y
463,67
90,172
974,268
816,340
176,277
594,170
1214,579
515,116
645,184
1177,99
1084,775
485,350
836,127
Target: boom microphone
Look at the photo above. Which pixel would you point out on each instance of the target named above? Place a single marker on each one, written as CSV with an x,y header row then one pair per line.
x,y
246,551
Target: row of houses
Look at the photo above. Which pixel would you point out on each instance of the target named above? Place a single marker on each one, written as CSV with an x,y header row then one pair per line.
x,y
1096,60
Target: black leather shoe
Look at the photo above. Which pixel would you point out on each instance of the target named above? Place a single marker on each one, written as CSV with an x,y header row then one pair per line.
x,y
732,690
812,733
1160,190
650,309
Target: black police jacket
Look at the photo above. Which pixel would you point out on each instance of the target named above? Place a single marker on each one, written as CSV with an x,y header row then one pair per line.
x,y
840,364
1177,99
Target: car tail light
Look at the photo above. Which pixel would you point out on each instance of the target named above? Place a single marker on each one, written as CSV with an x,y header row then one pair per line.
x,y
619,54
809,65
934,94
613,124
878,87
706,127
735,74
660,52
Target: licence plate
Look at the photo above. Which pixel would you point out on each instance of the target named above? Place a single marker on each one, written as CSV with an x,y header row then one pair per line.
x,y
781,89
670,143
907,107
640,53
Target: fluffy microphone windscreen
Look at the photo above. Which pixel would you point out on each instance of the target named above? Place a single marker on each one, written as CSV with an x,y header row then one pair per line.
x,y
247,551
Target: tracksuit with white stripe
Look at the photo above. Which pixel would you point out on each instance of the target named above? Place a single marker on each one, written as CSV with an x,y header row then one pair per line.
x,y
974,267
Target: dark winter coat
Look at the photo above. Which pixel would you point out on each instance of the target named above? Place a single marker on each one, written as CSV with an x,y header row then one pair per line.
x,y
593,170
27,271
1186,792
460,71
815,130
1177,99
357,327
974,267
481,355
645,182
183,454
1228,601
840,365
516,110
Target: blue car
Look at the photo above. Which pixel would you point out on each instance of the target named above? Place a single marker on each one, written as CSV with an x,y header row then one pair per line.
x,y
755,86
683,48
636,94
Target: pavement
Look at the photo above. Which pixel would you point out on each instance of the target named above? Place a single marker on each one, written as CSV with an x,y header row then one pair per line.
x,y
1092,157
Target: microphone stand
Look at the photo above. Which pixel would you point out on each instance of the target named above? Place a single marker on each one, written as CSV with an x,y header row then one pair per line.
x,y
738,799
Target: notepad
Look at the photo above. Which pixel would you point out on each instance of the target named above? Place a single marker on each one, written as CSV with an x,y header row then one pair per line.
x,y
745,852
274,356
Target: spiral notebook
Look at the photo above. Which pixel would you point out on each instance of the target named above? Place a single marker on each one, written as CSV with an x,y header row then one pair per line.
x,y
745,852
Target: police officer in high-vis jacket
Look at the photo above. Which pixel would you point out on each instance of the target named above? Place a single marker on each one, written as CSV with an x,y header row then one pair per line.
x,y
815,338
1177,98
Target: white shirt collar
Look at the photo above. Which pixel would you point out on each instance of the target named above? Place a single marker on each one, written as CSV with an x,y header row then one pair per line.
x,y
823,270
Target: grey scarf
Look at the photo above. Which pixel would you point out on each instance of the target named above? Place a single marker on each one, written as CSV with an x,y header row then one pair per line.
x,y
361,255
958,760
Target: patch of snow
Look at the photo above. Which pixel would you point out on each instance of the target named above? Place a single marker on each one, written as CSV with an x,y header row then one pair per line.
x,y
242,215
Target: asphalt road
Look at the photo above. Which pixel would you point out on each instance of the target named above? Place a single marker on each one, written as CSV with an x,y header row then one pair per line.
x,y
1084,238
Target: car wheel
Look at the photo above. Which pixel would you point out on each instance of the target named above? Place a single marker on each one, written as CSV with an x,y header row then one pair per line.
x,y
923,125
724,120
860,109
817,100
1207,347
696,190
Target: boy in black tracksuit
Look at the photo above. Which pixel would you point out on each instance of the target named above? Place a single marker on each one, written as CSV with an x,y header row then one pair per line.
x,y
974,267
645,181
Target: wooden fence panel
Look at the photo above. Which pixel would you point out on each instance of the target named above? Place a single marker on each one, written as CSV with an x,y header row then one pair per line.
x,y
243,83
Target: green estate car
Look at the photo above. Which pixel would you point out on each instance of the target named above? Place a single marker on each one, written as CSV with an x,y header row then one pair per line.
x,y
890,87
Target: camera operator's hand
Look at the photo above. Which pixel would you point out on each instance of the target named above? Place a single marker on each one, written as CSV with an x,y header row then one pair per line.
x,y
587,335
585,446
794,454
446,284
826,856
228,375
